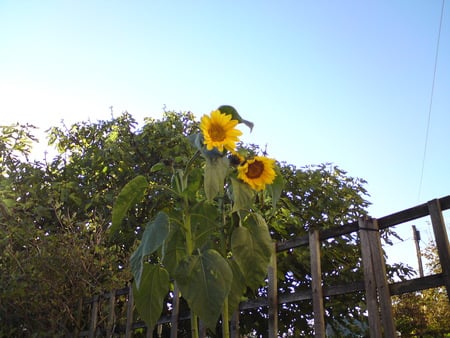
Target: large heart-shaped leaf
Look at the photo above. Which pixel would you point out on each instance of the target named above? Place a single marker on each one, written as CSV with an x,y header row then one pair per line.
x,y
149,297
205,281
252,247
131,193
154,235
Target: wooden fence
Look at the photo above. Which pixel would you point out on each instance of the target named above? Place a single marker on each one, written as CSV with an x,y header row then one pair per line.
x,y
375,284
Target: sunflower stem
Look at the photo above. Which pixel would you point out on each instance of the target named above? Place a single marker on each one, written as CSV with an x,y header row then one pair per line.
x,y
225,320
194,325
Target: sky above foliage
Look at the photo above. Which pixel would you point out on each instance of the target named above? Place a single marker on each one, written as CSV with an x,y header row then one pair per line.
x,y
347,82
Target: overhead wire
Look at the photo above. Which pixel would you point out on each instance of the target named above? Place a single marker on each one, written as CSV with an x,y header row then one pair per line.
x,y
431,101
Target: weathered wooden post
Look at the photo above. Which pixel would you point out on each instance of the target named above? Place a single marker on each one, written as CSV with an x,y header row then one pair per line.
x,y
317,291
78,318
442,243
378,297
130,309
273,294
234,325
111,315
94,314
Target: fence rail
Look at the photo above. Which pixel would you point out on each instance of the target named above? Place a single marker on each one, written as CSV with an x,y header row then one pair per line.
x,y
375,285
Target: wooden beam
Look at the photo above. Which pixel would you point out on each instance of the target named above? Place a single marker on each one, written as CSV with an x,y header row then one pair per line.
x,y
416,284
316,284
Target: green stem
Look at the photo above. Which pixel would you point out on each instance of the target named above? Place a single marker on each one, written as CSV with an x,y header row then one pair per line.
x,y
187,228
189,249
194,325
225,320
191,160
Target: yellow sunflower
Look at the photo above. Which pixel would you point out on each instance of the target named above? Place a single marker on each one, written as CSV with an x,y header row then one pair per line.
x,y
219,131
257,172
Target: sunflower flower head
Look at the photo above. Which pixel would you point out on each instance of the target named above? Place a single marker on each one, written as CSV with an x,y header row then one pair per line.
x,y
257,172
219,131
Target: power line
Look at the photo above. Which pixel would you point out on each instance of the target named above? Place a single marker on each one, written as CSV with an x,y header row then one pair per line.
x,y
431,101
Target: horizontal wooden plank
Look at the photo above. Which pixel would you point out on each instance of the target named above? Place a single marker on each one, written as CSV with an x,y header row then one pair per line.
x,y
343,289
410,214
412,285
292,243
339,231
417,284
304,295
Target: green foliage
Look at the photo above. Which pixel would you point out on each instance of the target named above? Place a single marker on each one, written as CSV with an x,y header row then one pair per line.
x,y
424,313
55,216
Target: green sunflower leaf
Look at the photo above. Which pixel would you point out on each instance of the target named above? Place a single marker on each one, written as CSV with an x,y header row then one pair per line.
x,y
252,247
229,110
131,193
153,237
204,281
149,297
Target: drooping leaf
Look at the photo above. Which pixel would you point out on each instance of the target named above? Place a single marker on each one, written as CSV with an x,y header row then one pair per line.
x,y
149,297
197,142
243,195
275,189
205,281
153,237
252,247
215,172
131,193
229,110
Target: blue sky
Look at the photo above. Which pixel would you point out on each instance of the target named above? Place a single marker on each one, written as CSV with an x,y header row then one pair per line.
x,y
347,82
